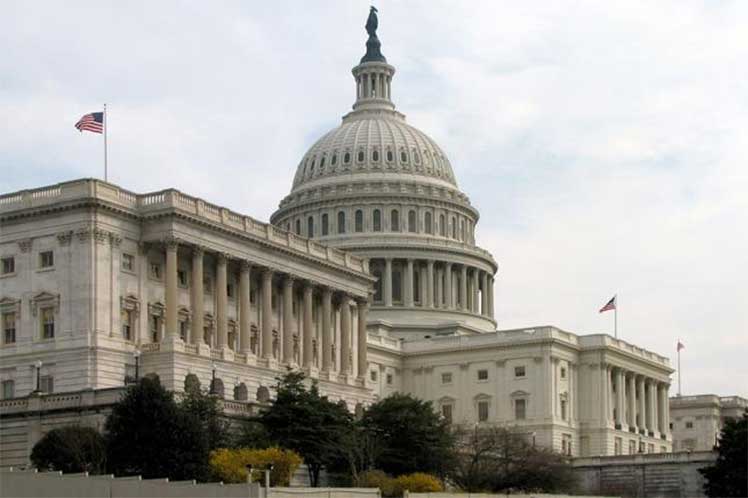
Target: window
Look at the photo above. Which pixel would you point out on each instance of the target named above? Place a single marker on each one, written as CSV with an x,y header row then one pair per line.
x,y
155,271
377,220
183,330
395,220
347,157
341,222
298,227
689,425
310,225
519,371
427,223
389,379
9,389
8,265
390,156
442,226
520,408
182,278
447,413
377,273
230,290
375,156
447,378
482,374
482,411
47,384
128,262
9,328
46,259
563,409
403,157
359,221
373,375
155,322
48,323
360,156
563,372
618,446
127,325
325,225
334,160
411,221
566,444
632,447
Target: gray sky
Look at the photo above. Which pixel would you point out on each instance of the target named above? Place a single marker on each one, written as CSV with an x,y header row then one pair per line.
x,y
604,143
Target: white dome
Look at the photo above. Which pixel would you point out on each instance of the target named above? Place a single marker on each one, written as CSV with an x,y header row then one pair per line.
x,y
370,145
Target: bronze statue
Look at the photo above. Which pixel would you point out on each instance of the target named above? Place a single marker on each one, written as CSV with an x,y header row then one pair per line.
x,y
373,53
372,22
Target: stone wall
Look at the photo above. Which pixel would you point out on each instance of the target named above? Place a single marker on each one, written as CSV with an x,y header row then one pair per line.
x,y
646,475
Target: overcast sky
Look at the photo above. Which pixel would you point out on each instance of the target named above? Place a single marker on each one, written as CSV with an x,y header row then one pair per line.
x,y
604,143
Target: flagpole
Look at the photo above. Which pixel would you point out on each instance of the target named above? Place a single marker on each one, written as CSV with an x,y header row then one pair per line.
x,y
615,319
679,384
105,151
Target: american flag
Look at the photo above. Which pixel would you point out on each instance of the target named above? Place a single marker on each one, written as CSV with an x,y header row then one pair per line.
x,y
680,346
610,305
93,122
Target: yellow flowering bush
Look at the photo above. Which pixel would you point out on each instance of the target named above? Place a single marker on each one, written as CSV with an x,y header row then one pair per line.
x,y
417,482
377,479
230,465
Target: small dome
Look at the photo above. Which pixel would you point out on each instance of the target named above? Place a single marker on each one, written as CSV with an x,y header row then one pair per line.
x,y
368,145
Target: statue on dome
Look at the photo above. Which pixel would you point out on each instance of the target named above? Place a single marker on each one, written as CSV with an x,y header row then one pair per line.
x,y
372,23
373,53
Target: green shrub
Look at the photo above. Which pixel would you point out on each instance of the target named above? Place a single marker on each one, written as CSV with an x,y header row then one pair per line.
x,y
70,449
377,479
230,465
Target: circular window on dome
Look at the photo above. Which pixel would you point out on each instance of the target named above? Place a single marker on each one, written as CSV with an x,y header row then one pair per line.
x,y
375,156
347,157
360,156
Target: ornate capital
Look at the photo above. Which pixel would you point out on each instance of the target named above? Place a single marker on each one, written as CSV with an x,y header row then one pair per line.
x,y
115,239
245,265
171,242
198,251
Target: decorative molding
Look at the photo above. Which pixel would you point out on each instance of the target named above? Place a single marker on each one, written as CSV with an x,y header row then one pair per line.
x,y
64,238
115,239
130,302
156,309
43,300
10,305
25,245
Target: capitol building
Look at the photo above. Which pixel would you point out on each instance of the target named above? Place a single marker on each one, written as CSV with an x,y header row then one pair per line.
x,y
368,277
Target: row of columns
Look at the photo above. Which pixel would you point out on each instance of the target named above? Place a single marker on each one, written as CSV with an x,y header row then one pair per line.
x,y
345,302
633,401
444,285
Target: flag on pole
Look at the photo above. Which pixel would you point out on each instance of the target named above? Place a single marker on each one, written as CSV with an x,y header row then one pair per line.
x,y
680,346
610,305
93,122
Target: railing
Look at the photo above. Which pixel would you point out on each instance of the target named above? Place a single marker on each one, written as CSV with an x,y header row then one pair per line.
x,y
87,188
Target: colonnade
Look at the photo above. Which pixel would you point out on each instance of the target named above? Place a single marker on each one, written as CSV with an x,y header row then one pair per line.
x,y
270,339
634,402
434,284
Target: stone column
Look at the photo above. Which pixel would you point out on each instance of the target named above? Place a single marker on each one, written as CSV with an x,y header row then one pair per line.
x,y
430,283
222,300
363,365
604,393
244,308
620,398
661,409
476,305
267,313
308,330
197,296
642,410
484,293
463,288
631,409
439,287
490,297
388,281
449,293
409,283
171,289
653,402
345,335
666,411
288,357
326,329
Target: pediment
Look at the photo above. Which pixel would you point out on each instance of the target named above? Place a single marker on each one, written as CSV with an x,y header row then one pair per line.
x,y
519,393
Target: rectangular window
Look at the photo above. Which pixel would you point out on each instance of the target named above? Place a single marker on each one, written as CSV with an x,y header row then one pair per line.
x,y
183,330
48,323
519,371
563,372
650,448
128,262
563,409
127,325
8,265
632,447
47,384
389,379
154,328
9,389
566,438
155,271
618,446
520,408
46,259
230,291
482,411
373,375
9,328
689,425
482,374
447,413
447,378
182,278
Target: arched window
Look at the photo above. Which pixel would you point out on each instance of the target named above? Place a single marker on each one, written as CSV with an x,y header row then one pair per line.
x,y
341,222
334,159
347,157
411,221
359,221
322,163
360,156
395,220
325,225
298,227
390,156
310,227
377,222
442,226
403,156
454,228
427,223
375,156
